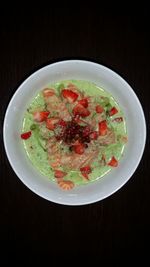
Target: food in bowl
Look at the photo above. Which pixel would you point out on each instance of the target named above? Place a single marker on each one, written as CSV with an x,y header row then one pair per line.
x,y
74,132
129,103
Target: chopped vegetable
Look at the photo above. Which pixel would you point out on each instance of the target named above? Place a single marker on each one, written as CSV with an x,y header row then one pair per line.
x,y
108,107
99,109
103,160
26,135
79,149
83,102
85,171
80,110
69,95
62,123
60,86
51,123
40,116
113,111
104,101
86,131
103,127
33,127
94,135
113,162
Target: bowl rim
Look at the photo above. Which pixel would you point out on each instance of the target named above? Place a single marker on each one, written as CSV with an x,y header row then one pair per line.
x,y
129,88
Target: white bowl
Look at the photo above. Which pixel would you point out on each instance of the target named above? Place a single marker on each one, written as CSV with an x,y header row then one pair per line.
x,y
102,76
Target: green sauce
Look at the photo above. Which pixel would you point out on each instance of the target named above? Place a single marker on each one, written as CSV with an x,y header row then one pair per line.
x,y
35,147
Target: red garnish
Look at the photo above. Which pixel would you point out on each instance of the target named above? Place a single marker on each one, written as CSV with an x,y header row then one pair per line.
x,y
40,116
85,171
83,102
94,135
74,132
119,119
86,131
103,127
113,162
62,123
80,110
99,109
48,92
79,149
26,135
113,111
51,123
69,95
77,118
59,174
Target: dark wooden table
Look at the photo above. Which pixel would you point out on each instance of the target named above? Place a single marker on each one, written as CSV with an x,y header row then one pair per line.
x,y
118,226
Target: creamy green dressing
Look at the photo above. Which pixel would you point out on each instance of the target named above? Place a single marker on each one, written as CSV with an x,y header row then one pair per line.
x,y
35,147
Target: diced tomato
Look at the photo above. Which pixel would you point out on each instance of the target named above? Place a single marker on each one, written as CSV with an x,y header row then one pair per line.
x,y
99,109
51,123
79,148
47,92
83,102
62,123
26,135
103,127
113,111
59,174
69,95
80,110
113,162
40,116
94,135
85,171
119,119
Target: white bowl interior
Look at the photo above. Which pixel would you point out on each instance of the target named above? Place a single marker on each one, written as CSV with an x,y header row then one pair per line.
x,y
110,81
